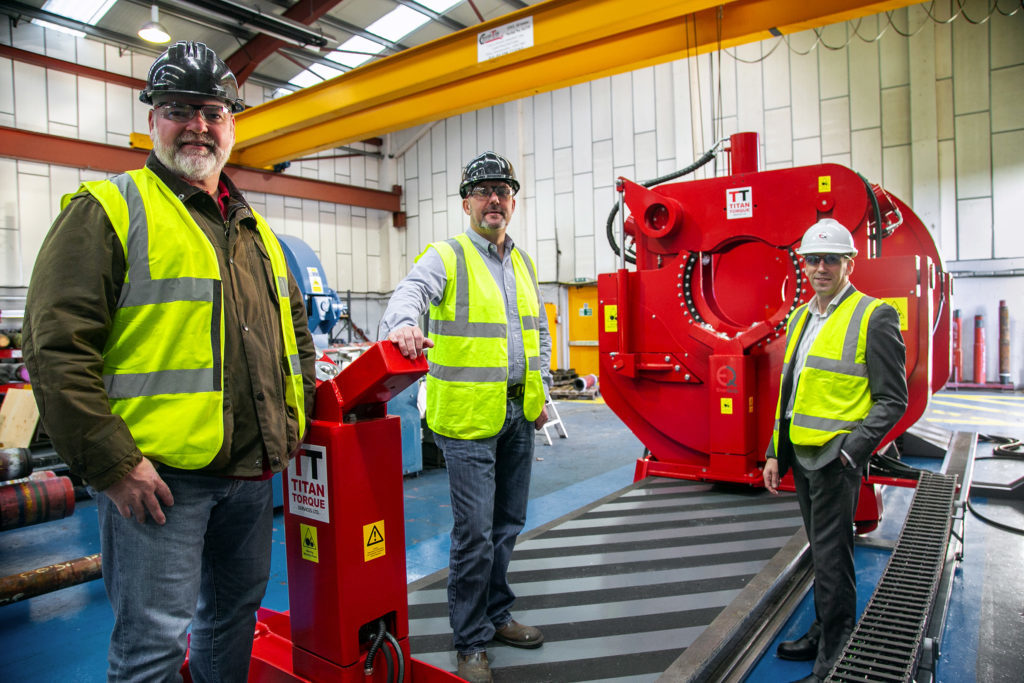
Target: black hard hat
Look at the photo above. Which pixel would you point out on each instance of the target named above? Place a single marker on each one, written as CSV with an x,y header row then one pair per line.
x,y
487,166
191,68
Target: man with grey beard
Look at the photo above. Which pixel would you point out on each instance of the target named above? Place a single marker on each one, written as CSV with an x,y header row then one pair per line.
x,y
173,367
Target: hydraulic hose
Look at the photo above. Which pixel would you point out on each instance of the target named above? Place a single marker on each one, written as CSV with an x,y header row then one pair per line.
x,y
399,654
389,662
610,225
878,236
374,646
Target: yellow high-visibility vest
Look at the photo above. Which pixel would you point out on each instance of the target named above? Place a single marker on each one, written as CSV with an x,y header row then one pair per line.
x,y
163,364
466,386
832,392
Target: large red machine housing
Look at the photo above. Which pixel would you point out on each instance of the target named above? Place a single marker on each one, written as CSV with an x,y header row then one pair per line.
x,y
692,340
345,536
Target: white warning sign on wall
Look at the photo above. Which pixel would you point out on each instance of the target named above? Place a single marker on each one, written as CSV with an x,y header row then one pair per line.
x,y
307,494
739,202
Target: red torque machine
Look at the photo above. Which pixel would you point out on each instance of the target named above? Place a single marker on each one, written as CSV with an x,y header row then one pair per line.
x,y
692,341
345,533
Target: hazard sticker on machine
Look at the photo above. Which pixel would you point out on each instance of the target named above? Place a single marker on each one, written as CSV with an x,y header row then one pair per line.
x,y
373,541
739,202
307,484
310,548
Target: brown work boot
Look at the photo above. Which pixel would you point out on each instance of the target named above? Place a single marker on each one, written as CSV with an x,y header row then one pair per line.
x,y
517,635
475,668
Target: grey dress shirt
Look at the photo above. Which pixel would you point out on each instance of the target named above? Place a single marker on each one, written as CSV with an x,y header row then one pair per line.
x,y
425,283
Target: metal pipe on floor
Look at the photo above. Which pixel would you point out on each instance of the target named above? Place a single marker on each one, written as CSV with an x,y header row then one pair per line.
x,y
34,501
35,582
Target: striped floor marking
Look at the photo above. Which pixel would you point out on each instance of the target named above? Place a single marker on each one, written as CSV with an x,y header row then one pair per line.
x,y
621,590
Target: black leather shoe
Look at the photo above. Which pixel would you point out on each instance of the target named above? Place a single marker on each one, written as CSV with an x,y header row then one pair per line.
x,y
475,668
803,649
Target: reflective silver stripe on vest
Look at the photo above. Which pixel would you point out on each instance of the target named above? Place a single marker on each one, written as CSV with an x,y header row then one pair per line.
x,y
282,286
458,328
530,322
147,292
141,289
533,364
295,363
848,365
138,227
456,374
461,326
841,367
823,424
159,382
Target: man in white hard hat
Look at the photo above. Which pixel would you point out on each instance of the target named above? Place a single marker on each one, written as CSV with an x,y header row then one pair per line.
x,y
843,388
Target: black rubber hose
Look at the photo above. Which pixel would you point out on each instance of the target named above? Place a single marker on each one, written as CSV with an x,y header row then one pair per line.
x,y
374,646
878,217
399,654
610,225
389,662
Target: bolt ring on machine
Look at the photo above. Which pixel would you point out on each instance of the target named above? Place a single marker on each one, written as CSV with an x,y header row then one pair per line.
x,y
692,340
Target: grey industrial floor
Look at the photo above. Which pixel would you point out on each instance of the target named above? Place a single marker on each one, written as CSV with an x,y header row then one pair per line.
x,y
62,636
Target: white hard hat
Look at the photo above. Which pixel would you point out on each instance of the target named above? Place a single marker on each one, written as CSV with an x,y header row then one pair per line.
x,y
827,236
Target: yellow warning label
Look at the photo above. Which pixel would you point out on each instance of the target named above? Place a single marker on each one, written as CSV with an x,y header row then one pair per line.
x,y
824,183
900,304
373,541
611,318
726,406
310,549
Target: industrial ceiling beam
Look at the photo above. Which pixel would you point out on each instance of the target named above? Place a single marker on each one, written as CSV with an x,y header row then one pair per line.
x,y
574,41
271,24
53,149
245,60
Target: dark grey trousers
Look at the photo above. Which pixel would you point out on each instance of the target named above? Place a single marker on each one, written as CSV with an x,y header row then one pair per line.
x,y
828,501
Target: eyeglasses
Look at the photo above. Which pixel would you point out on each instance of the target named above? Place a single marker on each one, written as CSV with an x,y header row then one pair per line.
x,y
830,259
485,192
183,113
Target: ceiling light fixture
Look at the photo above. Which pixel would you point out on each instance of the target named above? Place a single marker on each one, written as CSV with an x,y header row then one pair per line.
x,y
153,31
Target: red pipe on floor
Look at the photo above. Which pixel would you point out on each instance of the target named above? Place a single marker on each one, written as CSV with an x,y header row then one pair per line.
x,y
35,501
979,349
958,351
1004,343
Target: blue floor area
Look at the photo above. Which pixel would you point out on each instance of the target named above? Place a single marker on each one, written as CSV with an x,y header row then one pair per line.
x,y
63,636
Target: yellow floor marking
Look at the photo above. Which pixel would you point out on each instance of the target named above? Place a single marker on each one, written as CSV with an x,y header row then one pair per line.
x,y
1010,398
1001,411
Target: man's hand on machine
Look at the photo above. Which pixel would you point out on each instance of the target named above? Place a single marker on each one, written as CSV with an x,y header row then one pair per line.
x,y
410,341
140,490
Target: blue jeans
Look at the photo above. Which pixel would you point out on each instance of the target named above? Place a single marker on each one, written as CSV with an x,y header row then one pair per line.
x,y
208,566
489,480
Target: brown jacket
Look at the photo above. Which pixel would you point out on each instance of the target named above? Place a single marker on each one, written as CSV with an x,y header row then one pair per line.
x,y
71,302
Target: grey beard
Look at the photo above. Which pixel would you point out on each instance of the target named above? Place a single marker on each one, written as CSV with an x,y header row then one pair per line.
x,y
195,168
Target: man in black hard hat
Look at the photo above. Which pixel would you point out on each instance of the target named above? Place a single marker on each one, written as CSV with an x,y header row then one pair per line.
x,y
486,390
173,368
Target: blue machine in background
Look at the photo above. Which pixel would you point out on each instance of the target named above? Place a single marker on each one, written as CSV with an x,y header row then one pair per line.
x,y
323,306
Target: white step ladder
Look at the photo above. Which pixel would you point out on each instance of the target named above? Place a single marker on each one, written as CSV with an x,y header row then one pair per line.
x,y
555,421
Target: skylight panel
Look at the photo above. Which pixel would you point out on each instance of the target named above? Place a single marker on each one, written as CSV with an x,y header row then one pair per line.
x,y
398,23
357,45
85,11
439,6
313,75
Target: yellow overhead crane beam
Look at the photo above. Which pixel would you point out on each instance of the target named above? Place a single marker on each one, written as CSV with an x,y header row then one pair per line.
x,y
573,41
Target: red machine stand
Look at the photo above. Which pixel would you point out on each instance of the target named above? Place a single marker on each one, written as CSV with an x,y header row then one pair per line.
x,y
345,534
